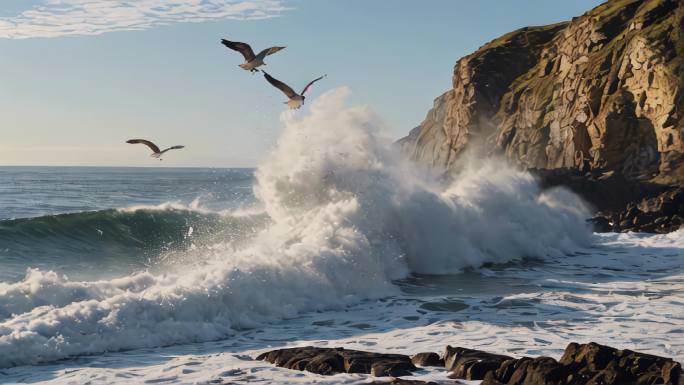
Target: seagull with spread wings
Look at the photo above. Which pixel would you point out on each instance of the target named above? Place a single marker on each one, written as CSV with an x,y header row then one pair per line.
x,y
251,61
156,153
296,100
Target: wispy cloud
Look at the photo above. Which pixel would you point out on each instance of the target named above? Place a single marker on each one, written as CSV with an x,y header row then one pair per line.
x,y
53,18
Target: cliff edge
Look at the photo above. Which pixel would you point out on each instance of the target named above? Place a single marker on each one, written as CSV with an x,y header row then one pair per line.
x,y
595,104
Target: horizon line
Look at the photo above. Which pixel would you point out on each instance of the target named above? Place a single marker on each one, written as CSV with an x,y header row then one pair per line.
x,y
156,167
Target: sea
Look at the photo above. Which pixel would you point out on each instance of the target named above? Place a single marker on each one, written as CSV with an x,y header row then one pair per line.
x,y
184,275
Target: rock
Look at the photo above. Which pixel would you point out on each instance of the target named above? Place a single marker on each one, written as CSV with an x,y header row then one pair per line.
x,y
600,224
471,364
660,213
401,381
327,361
427,359
626,225
588,364
392,369
660,220
607,192
581,364
631,213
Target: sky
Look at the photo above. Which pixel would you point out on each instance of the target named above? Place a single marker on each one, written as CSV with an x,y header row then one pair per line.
x,y
80,77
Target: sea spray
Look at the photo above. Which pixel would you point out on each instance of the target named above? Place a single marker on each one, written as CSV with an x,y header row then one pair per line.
x,y
347,217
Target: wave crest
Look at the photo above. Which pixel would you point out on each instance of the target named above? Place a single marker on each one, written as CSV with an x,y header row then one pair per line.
x,y
346,217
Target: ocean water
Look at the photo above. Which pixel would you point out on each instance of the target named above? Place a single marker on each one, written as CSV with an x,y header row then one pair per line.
x,y
123,275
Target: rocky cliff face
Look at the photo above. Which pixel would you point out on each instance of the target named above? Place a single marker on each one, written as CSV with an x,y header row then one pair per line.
x,y
601,93
463,116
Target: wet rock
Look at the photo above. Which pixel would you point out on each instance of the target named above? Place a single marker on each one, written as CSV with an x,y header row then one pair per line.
x,y
581,364
327,361
600,224
391,369
427,359
401,381
589,364
470,364
630,213
626,225
660,213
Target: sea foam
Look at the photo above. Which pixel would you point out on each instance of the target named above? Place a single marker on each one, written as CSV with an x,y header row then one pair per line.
x,y
347,217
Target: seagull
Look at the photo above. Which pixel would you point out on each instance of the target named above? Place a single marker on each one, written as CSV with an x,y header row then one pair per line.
x,y
251,61
296,100
156,153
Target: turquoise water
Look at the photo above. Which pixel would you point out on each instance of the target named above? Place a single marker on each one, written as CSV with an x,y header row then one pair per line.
x,y
69,219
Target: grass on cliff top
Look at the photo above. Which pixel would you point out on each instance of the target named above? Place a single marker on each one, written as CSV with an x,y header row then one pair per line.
x,y
507,38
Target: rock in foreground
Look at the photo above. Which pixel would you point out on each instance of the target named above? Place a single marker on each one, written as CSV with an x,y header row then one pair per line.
x,y
589,364
427,359
471,364
328,361
581,364
401,381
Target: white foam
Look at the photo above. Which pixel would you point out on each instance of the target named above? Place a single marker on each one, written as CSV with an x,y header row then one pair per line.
x,y
520,310
194,206
348,218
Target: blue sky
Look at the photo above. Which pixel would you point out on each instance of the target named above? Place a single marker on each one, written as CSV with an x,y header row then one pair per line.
x,y
75,83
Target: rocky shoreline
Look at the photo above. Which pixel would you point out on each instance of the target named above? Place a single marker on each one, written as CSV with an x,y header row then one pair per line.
x,y
620,204
580,364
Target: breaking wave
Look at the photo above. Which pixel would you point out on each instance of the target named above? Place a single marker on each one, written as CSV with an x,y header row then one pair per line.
x,y
343,217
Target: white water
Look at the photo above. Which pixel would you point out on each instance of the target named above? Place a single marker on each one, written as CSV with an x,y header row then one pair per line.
x,y
625,290
347,219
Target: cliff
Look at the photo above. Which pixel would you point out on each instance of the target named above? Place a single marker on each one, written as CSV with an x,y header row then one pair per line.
x,y
597,97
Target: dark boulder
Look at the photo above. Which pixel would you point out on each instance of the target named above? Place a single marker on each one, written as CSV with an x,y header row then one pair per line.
x,y
470,364
383,368
600,224
427,359
327,361
661,213
401,381
589,364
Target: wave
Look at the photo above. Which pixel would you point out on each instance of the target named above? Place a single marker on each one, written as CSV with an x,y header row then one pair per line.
x,y
137,236
346,218
134,227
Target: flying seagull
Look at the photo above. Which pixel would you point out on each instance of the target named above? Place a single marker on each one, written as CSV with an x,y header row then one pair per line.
x,y
156,153
251,61
296,100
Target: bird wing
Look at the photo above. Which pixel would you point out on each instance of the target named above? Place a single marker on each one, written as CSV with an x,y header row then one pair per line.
x,y
280,85
269,51
173,148
311,83
243,48
147,143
